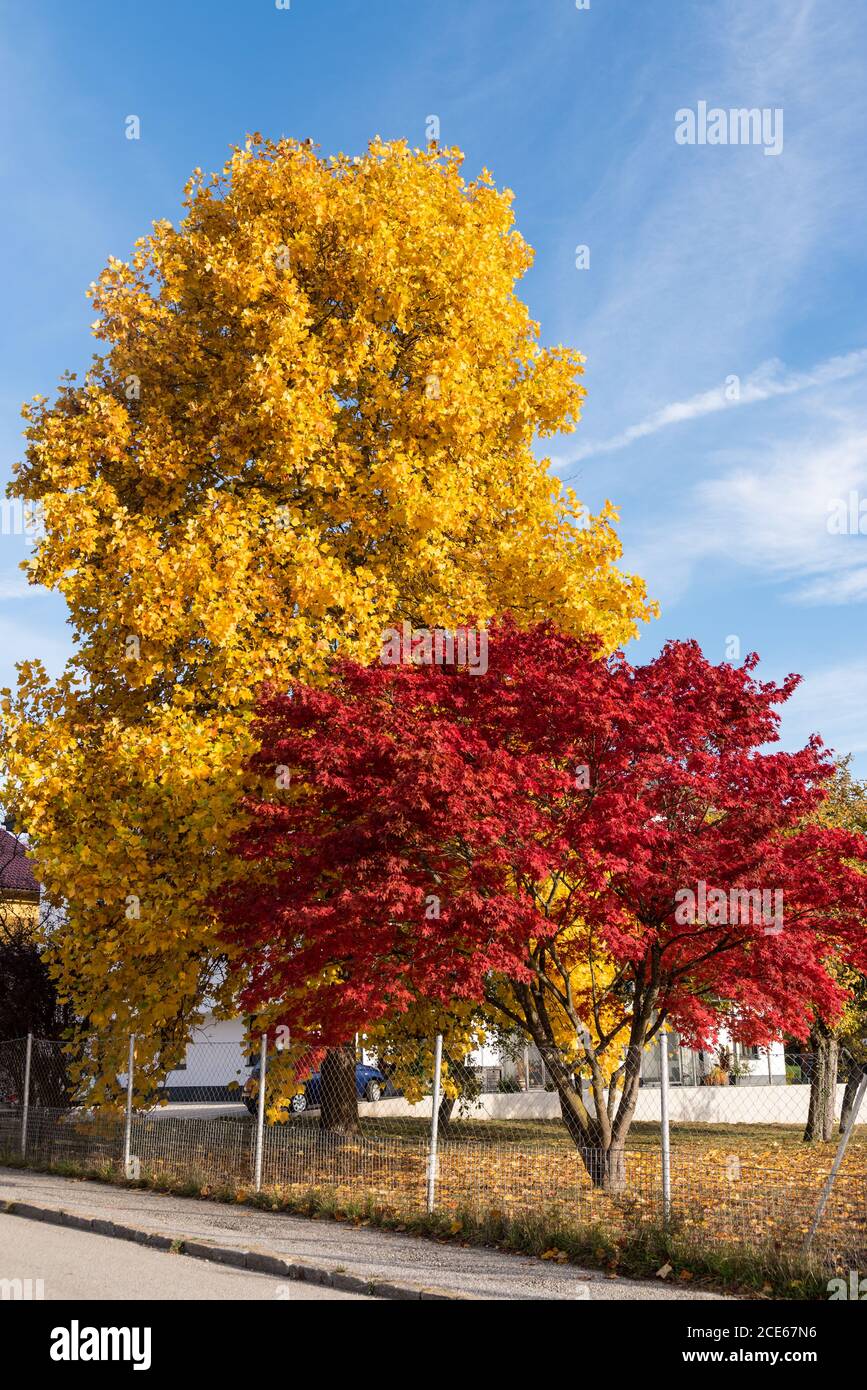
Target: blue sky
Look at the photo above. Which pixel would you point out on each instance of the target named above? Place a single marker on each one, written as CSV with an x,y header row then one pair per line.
x,y
707,262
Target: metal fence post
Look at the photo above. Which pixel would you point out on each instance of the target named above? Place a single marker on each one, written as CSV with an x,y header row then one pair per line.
x,y
127,1133
434,1123
663,1121
25,1107
260,1110
838,1160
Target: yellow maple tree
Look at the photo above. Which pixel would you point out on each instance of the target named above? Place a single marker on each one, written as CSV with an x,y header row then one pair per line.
x,y
313,414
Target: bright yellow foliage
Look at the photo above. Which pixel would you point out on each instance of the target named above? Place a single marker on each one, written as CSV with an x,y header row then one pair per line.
x,y
313,417
405,1045
574,974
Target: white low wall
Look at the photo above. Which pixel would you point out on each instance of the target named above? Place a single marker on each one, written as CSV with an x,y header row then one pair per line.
x,y
713,1105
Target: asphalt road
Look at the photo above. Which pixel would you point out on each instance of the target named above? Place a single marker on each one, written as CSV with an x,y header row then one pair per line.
x,y
75,1265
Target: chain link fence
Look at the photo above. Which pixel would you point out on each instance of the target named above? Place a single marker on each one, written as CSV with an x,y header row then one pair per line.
x,y
730,1168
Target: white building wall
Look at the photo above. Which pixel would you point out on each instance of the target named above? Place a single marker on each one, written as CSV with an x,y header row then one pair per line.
x,y
717,1105
214,1059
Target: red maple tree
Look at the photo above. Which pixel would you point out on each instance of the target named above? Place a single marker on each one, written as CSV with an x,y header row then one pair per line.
x,y
442,834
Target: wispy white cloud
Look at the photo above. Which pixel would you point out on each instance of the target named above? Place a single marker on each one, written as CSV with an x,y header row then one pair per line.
x,y
849,587
831,701
769,514
705,263
17,589
768,381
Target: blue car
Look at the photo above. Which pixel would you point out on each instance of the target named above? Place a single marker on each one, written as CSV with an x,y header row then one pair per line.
x,y
370,1084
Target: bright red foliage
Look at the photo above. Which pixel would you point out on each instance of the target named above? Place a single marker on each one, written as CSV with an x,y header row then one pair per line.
x,y
408,782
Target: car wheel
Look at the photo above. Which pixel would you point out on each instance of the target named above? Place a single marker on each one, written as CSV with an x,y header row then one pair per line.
x,y
252,1105
372,1090
298,1104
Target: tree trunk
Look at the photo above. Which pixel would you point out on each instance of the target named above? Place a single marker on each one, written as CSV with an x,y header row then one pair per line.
x,y
446,1110
598,1129
464,1078
604,1162
607,1167
338,1111
853,1077
602,1156
823,1086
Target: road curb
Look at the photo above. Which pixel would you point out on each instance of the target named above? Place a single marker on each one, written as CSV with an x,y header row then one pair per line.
x,y
257,1261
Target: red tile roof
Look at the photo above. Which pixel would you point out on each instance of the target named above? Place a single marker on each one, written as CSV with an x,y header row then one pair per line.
x,y
16,874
